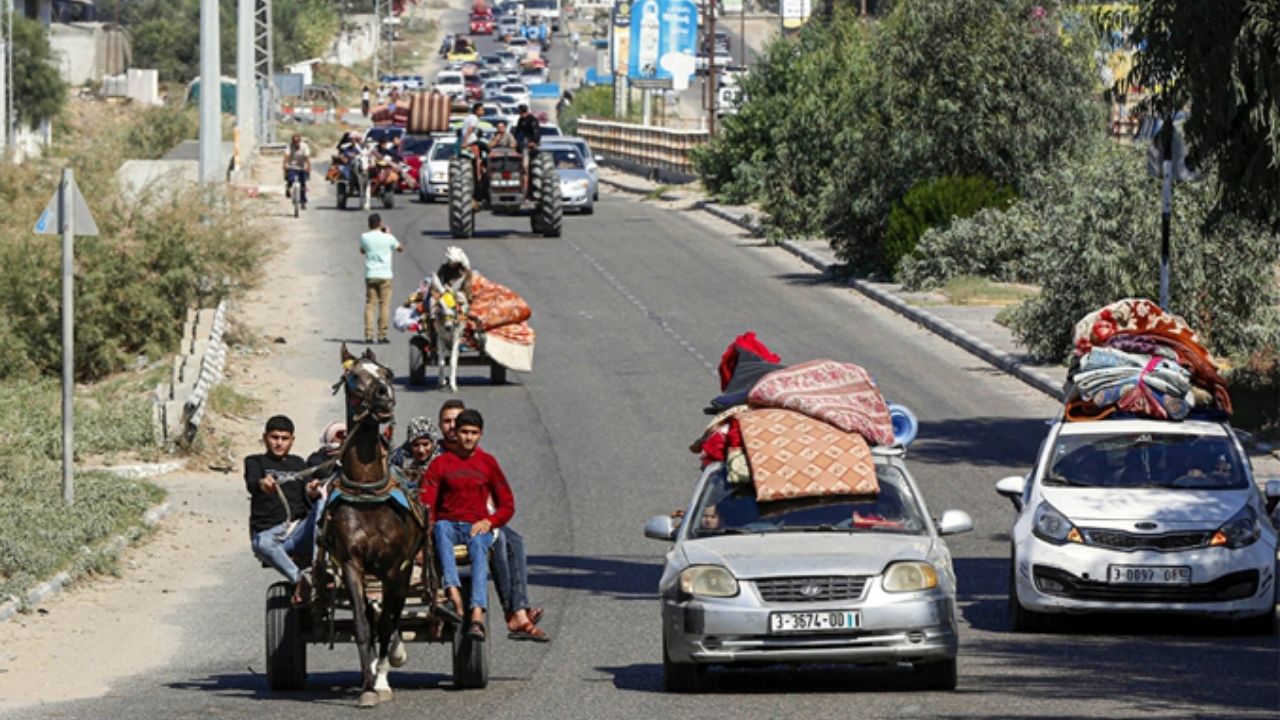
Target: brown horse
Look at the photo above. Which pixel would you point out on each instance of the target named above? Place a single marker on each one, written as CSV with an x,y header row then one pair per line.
x,y
369,534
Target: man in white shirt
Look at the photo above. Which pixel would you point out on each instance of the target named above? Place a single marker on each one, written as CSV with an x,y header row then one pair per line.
x,y
377,247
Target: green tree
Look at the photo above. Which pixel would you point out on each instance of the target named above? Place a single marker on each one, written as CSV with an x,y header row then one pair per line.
x,y
996,88
38,91
1220,58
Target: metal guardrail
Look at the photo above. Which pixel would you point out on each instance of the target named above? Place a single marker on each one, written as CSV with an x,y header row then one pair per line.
x,y
656,148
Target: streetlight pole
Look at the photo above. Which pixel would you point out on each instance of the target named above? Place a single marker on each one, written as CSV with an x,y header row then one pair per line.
x,y
1166,207
711,65
210,93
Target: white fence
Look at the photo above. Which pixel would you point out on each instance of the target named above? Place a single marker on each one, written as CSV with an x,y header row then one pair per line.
x,y
654,148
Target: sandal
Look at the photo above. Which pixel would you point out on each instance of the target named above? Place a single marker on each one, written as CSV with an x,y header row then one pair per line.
x,y
301,592
535,614
531,633
475,630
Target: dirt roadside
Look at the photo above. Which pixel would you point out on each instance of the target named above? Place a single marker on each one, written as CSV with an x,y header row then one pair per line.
x,y
88,626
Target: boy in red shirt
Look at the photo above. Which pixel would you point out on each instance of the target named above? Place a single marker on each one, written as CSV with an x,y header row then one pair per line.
x,y
457,487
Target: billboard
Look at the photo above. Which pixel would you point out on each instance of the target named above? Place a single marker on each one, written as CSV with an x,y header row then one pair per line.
x,y
795,13
620,36
664,40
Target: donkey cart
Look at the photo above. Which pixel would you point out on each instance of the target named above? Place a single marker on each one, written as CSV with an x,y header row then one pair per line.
x,y
328,620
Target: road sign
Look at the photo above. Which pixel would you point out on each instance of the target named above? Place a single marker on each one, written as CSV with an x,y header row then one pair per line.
x,y
653,84
81,219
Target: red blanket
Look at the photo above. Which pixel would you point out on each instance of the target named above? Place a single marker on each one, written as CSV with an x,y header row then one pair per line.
x,y
839,394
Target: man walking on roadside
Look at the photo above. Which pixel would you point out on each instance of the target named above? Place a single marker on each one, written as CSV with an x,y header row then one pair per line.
x,y
376,246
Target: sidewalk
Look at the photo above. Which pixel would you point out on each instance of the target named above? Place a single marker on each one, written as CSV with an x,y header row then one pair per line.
x,y
971,327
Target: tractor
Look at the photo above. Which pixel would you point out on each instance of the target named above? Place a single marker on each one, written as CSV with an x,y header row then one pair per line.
x,y
503,188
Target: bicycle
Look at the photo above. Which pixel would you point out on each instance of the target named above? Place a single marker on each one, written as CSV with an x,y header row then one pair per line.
x,y
295,192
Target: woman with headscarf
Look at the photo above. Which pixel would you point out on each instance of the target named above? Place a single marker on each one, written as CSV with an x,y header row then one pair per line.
x,y
421,445
330,443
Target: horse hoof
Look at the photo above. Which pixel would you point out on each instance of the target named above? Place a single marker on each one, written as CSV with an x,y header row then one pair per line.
x,y
369,699
399,656
384,694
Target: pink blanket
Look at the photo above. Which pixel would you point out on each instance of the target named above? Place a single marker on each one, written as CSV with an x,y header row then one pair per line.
x,y
840,394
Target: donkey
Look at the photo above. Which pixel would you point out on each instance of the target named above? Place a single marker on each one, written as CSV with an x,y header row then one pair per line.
x,y
372,534
362,169
451,285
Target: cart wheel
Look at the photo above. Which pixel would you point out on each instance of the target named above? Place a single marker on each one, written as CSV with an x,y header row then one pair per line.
x,y
286,648
471,658
389,198
417,361
497,374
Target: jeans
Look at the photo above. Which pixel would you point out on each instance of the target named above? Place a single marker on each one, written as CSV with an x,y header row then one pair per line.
x,y
377,307
299,546
449,533
510,570
301,177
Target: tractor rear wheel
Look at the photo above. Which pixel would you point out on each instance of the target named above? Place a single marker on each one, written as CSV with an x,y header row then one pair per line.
x,y
462,192
536,171
549,209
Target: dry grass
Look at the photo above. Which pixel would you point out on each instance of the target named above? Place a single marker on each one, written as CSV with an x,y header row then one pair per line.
x,y
969,290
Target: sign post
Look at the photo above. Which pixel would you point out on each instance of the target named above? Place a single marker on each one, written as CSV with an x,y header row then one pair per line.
x,y
71,212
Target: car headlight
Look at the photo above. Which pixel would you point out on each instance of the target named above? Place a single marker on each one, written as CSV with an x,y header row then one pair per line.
x,y
574,184
1052,526
439,176
909,577
1241,530
708,581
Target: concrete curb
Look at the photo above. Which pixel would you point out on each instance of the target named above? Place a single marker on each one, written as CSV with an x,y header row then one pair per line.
x,y
197,368
55,584
947,331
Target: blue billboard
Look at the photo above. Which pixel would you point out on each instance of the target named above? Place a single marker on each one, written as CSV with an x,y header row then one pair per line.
x,y
664,40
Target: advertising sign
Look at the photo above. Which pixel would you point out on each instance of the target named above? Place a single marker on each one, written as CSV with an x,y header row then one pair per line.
x,y
795,13
620,36
664,39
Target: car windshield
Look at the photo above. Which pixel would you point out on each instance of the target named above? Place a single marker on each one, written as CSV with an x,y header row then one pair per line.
x,y
449,79
442,151
1146,460
567,158
731,509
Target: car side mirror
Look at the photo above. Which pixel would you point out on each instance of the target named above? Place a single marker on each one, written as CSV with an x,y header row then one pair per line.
x,y
660,527
599,157
1272,493
1011,487
954,522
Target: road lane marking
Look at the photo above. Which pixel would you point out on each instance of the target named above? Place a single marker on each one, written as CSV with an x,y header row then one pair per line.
x,y
657,319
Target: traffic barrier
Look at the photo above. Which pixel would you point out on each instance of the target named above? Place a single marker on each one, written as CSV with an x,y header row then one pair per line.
x,y
202,356
649,147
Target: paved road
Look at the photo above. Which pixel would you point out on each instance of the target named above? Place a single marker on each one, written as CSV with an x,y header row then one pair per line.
x,y
632,308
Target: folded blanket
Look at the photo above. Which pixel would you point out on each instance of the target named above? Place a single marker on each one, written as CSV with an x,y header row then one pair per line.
x,y
1141,384
792,456
496,305
1144,320
839,394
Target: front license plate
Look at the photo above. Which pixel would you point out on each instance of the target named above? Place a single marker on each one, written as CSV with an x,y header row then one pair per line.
x,y
1148,575
829,621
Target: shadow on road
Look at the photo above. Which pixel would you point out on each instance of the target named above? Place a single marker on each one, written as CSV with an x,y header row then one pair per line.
x,y
620,578
983,441
776,679
323,688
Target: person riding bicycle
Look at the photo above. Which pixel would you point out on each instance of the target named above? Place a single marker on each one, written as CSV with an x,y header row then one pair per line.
x,y
297,168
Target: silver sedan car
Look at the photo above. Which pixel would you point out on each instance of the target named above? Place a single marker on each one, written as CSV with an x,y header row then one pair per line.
x,y
853,579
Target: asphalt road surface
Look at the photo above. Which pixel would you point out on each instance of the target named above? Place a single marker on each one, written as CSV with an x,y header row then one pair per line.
x,y
632,308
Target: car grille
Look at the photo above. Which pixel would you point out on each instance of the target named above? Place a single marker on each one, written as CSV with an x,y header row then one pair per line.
x,y
811,589
1236,586
1126,542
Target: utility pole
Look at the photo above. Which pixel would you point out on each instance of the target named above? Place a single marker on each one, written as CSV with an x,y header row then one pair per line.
x,y
246,82
4,78
6,98
211,167
377,38
711,64
1166,206
264,71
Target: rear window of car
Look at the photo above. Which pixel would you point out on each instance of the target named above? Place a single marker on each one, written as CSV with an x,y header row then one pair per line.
x,y
449,78
513,89
416,145
1146,460
731,509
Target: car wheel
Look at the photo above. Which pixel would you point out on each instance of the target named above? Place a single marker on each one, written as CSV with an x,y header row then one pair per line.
x,y
937,675
681,677
1022,620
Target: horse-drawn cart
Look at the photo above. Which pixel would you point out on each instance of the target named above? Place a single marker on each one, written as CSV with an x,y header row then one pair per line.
x,y
328,620
422,355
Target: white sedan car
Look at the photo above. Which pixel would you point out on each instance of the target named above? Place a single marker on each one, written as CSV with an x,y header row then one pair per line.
x,y
1141,516
519,93
433,177
450,83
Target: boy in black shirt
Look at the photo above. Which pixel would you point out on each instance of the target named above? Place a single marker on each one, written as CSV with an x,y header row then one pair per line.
x,y
282,513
